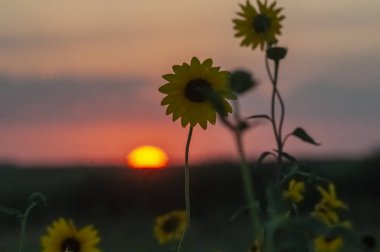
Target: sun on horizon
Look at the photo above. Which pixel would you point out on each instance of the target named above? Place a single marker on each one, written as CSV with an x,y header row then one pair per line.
x,y
147,157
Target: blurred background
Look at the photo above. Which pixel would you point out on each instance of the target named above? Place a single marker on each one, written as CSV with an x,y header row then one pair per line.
x,y
79,90
79,80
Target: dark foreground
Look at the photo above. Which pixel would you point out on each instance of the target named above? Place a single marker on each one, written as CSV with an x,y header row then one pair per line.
x,y
123,203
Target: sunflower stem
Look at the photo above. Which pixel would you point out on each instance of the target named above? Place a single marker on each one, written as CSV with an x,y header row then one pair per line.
x,y
248,187
187,187
277,128
23,220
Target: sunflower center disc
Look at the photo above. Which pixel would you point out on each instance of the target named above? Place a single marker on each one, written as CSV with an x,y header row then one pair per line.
x,y
170,225
195,90
70,244
261,23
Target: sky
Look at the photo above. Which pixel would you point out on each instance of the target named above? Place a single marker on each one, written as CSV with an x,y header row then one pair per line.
x,y
79,79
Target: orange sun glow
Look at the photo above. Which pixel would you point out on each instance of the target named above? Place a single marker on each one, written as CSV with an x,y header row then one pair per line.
x,y
147,157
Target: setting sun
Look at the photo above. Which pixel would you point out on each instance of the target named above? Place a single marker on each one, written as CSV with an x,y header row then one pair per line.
x,y
145,157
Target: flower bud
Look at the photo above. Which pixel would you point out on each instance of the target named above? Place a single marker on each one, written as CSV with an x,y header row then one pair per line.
x,y
276,53
241,81
38,198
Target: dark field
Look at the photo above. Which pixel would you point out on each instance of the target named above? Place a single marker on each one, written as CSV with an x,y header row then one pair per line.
x,y
123,203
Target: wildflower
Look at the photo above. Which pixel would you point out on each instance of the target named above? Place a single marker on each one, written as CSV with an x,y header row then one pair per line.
x,y
261,27
187,92
328,216
326,209
325,243
294,191
170,226
329,198
63,236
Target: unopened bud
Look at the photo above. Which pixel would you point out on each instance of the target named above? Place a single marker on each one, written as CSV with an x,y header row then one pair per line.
x,y
276,53
38,198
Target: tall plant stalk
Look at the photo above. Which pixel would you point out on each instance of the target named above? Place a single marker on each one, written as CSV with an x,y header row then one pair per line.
x,y
187,188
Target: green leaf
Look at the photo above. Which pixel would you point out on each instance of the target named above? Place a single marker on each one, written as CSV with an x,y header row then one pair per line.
x,y
304,136
243,210
287,156
259,116
264,155
10,211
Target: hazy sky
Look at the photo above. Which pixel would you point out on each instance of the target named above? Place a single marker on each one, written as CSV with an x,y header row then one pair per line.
x,y
79,79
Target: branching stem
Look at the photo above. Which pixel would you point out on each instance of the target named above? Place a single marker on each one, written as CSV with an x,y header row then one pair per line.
x,y
277,127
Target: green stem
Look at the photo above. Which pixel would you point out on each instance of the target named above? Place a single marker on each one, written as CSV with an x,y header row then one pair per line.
x,y
279,133
187,188
248,187
268,70
22,234
273,101
277,129
282,105
23,221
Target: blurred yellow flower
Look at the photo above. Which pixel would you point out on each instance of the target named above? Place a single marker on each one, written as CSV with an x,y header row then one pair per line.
x,y
63,236
258,28
329,198
294,191
186,92
325,243
170,226
256,247
328,216
326,209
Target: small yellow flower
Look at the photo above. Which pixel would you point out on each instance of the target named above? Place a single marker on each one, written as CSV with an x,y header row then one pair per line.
x,y
186,92
63,236
294,191
261,27
326,209
327,216
324,243
329,198
170,226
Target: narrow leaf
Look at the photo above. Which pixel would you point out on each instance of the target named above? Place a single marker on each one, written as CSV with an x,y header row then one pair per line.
x,y
304,136
259,116
10,211
287,156
264,155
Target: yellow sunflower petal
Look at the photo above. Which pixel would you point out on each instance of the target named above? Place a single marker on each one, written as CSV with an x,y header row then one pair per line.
x,y
207,63
177,69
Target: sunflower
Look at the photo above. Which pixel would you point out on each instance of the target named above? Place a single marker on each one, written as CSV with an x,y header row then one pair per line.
x,y
258,28
63,236
187,90
170,226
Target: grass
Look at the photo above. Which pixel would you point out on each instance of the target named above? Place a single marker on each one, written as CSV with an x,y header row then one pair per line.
x,y
123,203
